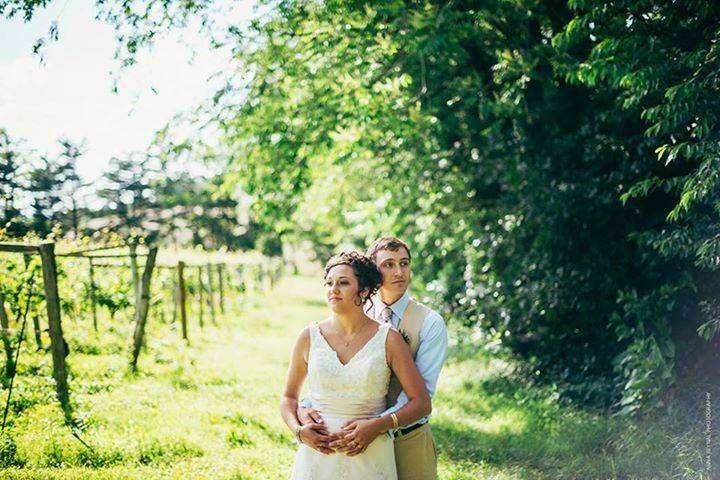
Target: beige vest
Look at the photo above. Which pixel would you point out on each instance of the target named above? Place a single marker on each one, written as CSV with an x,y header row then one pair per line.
x,y
410,325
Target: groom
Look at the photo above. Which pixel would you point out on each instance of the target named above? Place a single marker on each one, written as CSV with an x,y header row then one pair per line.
x,y
424,331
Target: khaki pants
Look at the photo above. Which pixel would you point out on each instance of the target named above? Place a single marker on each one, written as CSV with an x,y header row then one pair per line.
x,y
415,455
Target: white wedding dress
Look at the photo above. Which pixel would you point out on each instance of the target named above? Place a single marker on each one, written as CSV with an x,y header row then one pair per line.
x,y
341,393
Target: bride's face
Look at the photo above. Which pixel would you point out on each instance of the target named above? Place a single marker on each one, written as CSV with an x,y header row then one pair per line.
x,y
341,288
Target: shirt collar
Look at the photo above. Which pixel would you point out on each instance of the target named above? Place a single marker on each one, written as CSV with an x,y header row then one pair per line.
x,y
398,308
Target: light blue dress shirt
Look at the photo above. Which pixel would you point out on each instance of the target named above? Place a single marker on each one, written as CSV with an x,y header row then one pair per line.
x,y
432,347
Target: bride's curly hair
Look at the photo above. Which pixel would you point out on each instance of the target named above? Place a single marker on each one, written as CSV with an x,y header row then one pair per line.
x,y
367,273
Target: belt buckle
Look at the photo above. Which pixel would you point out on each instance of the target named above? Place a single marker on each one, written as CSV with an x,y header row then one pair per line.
x,y
407,430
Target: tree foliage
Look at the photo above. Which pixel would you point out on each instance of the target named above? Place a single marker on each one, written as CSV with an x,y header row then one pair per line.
x,y
514,145
139,196
554,166
11,182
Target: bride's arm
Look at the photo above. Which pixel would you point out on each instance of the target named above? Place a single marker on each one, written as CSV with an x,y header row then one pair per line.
x,y
402,364
314,435
363,432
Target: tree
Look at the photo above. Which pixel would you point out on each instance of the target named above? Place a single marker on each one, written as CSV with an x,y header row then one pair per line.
x,y
72,188
196,204
51,182
516,145
458,127
128,195
11,184
659,59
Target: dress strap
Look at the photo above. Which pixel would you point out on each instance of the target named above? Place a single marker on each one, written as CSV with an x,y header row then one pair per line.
x,y
316,339
314,327
382,334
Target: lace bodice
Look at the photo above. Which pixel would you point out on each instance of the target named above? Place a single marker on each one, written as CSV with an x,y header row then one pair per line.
x,y
355,389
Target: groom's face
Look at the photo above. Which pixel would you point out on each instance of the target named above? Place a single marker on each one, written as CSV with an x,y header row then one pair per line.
x,y
395,269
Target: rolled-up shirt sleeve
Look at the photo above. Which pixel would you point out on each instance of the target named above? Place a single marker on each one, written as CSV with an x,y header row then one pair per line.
x,y
430,356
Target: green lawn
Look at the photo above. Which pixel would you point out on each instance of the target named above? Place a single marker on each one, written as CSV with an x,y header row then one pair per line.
x,y
210,410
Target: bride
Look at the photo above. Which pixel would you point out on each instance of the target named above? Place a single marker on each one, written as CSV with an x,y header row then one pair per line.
x,y
347,360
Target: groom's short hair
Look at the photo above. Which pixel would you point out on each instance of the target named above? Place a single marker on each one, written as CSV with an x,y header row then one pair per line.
x,y
386,243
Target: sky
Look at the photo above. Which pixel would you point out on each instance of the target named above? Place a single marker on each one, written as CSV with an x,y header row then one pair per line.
x,y
70,95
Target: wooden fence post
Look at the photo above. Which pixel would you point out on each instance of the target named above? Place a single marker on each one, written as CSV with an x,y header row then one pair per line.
x,y
33,314
175,301
135,272
5,324
91,274
242,285
211,293
274,273
221,287
57,342
37,331
181,298
141,311
257,277
161,310
200,295
261,275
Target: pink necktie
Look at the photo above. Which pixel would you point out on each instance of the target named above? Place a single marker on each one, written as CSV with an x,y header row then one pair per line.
x,y
386,315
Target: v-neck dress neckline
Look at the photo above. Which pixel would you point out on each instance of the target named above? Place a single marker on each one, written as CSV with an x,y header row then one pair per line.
x,y
364,347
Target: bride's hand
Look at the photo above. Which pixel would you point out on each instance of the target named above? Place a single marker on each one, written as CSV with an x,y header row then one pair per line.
x,y
309,415
358,435
316,437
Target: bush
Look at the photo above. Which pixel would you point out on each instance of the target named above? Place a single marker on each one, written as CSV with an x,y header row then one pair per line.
x,y
8,453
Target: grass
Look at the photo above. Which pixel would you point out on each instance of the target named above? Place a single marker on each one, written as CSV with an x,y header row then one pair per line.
x,y
209,410
489,425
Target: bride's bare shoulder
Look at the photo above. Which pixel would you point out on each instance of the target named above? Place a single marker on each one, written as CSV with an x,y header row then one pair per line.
x,y
395,341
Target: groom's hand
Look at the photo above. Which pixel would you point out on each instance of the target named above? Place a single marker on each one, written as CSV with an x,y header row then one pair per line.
x,y
309,415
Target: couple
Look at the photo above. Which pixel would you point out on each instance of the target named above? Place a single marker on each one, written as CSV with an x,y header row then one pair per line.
x,y
371,368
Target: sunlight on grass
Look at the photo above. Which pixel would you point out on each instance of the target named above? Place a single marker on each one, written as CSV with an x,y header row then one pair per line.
x,y
209,410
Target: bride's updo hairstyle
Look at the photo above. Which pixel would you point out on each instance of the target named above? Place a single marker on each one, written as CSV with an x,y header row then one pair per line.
x,y
367,273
